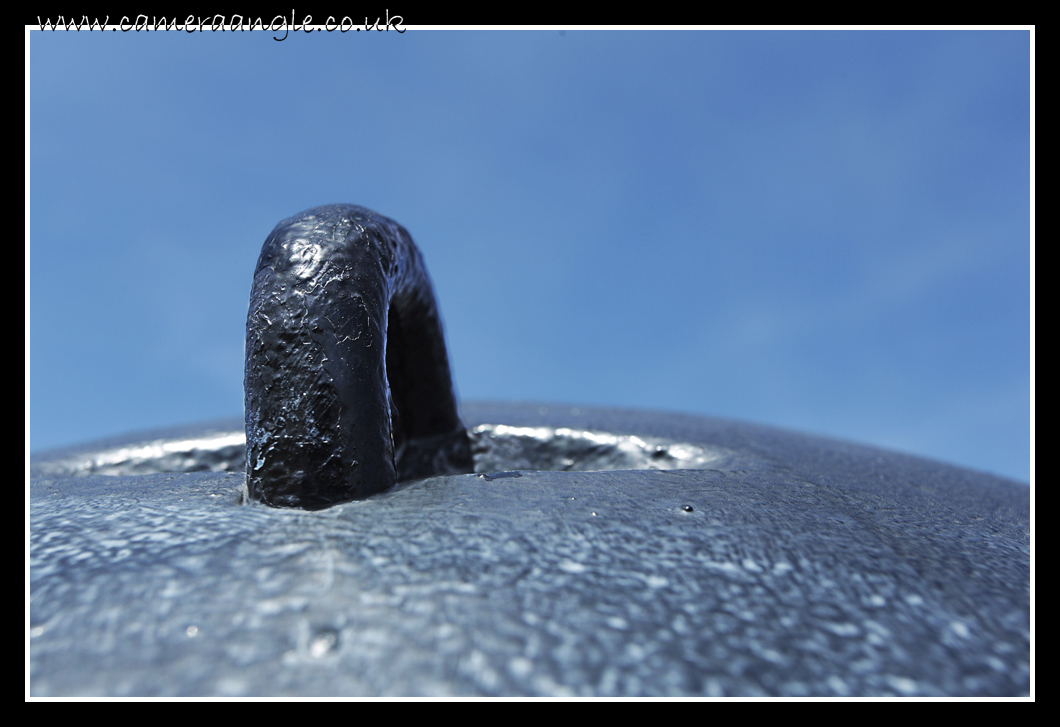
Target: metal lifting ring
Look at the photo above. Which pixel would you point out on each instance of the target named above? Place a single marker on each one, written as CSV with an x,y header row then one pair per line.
x,y
347,380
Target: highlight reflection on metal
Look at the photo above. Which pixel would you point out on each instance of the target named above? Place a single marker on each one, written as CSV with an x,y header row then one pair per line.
x,y
220,452
502,447
496,447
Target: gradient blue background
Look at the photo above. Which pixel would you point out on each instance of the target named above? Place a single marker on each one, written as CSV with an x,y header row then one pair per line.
x,y
825,231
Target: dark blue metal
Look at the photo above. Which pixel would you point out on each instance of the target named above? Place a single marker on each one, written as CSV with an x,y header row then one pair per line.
x,y
806,566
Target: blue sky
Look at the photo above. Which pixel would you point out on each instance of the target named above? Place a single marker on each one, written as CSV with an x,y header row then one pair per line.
x,y
826,231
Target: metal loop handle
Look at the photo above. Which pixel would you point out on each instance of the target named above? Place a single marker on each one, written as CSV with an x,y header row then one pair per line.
x,y
347,380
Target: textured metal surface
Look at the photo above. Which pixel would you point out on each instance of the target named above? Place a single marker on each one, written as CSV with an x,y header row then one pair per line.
x,y
794,565
221,447
347,378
